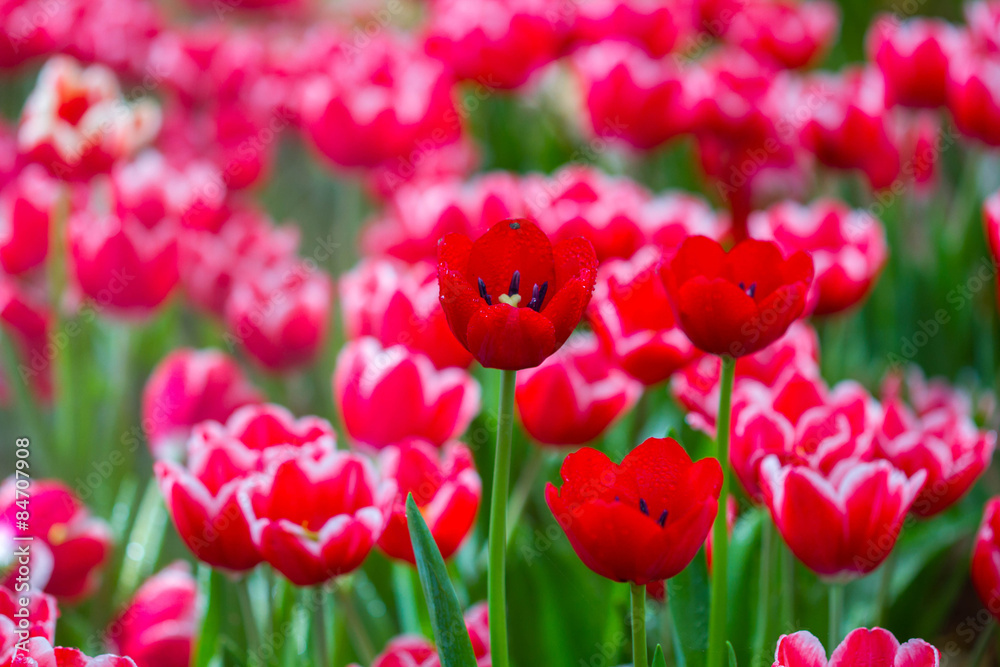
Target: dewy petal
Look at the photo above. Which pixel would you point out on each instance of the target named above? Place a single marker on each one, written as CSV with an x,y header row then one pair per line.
x,y
574,257
510,338
566,307
512,245
800,649
459,301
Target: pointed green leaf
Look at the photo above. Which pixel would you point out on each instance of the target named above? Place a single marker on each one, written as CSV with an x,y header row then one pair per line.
x,y
450,634
732,654
658,659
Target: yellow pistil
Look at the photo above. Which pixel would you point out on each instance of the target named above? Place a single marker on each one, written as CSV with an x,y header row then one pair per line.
x,y
510,300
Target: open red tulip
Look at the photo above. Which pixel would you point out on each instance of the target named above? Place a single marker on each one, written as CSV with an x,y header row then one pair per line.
x,y
860,647
735,303
643,520
511,297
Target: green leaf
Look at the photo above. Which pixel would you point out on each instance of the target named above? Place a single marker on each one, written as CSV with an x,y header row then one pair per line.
x,y
688,596
658,659
450,634
732,654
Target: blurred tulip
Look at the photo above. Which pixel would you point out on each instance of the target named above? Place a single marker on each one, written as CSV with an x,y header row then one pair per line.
x,y
974,96
848,248
380,103
860,647
986,558
188,387
630,97
415,651
42,613
633,320
656,27
315,519
739,302
497,43
159,625
843,524
790,33
983,21
581,201
420,214
913,56
26,208
201,495
280,317
643,520
28,323
78,544
39,651
671,217
575,395
371,381
397,304
499,325
445,486
76,122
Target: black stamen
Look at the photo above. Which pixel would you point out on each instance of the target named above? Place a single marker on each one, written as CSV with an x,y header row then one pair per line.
x,y
752,290
742,286
541,295
642,507
535,301
483,293
616,499
515,283
663,519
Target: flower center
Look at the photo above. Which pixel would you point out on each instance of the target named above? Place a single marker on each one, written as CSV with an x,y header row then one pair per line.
x,y
513,296
644,508
749,290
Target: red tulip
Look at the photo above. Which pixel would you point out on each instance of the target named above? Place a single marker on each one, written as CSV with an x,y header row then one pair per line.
x,y
27,322
860,647
158,627
974,96
581,201
496,43
201,495
370,382
77,124
245,246
315,519
986,558
843,524
280,317
575,395
791,34
75,544
739,302
655,27
415,651
696,387
913,56
188,387
419,215
848,248
631,315
26,206
481,286
445,486
384,102
938,437
41,653
123,265
42,614
631,97
643,520
398,305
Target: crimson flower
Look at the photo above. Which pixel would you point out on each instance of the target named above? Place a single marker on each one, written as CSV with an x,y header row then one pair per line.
x,y
643,520
445,486
26,206
481,291
860,647
70,547
157,628
843,524
986,558
913,55
738,302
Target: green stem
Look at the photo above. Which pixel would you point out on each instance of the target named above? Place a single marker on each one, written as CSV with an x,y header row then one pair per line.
x,y
765,619
717,651
639,655
213,585
359,634
144,542
836,615
787,590
979,650
497,588
522,490
884,591
406,598
250,625
319,630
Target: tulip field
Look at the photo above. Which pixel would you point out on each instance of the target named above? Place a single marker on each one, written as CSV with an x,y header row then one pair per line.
x,y
499,333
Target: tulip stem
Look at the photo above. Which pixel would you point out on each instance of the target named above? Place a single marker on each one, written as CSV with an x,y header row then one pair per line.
x,y
836,614
639,655
787,590
884,591
498,523
322,652
979,649
765,619
406,598
250,625
717,651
